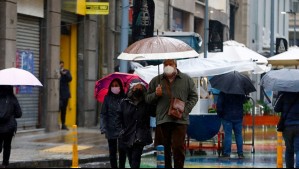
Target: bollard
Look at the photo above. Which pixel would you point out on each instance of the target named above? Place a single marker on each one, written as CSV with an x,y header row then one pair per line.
x,y
160,157
279,162
75,163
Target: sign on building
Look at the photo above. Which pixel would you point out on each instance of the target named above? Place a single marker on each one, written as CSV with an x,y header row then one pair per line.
x,y
143,19
97,8
281,45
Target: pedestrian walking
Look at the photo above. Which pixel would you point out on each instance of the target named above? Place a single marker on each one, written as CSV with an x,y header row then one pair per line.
x,y
65,94
109,125
164,91
230,110
288,104
9,111
135,120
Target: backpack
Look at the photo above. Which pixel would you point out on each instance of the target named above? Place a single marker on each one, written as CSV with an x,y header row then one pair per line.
x,y
4,110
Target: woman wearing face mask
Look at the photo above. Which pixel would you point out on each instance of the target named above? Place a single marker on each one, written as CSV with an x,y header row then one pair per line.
x,y
109,125
134,115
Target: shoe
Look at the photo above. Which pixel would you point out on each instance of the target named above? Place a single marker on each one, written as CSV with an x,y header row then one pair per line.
x,y
226,156
63,127
241,156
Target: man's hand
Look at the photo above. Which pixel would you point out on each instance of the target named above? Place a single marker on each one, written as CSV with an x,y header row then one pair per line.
x,y
159,91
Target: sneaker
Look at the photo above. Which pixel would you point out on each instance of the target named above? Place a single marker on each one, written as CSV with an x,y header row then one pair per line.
x,y
241,156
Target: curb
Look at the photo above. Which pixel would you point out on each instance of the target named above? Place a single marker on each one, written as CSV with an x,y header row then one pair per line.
x,y
61,163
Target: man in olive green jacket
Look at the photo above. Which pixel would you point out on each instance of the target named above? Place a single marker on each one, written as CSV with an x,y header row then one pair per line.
x,y
171,132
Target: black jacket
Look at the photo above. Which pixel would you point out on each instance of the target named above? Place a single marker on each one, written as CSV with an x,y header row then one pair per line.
x,y
65,79
109,117
135,122
15,112
288,102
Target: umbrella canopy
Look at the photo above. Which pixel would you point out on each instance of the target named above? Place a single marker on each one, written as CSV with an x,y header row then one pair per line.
x,y
288,58
198,67
233,83
158,48
281,80
18,77
102,85
234,51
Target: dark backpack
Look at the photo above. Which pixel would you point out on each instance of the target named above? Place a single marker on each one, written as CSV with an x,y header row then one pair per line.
x,y
5,112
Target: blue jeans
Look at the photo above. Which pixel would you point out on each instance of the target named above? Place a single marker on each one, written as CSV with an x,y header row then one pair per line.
x,y
228,127
291,138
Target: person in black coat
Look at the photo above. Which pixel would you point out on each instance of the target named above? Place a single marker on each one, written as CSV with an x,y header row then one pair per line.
x,y
65,79
288,105
134,115
109,125
9,106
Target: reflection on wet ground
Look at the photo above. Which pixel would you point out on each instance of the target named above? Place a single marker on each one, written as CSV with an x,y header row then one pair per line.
x,y
264,156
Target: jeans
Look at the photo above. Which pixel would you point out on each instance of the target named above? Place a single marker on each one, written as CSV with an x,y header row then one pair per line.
x,y
6,139
291,138
228,127
114,144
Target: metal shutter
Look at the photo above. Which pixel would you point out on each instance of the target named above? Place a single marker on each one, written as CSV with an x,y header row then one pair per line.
x,y
28,38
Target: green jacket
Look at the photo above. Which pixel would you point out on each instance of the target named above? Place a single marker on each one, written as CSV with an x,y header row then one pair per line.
x,y
182,88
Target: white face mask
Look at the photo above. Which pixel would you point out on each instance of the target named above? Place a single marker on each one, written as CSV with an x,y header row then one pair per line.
x,y
115,90
169,70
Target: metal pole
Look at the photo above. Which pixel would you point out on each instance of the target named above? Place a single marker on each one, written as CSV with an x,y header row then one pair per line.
x,y
206,31
272,29
124,33
295,44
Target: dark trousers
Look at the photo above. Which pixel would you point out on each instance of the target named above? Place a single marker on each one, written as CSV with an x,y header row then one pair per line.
x,y
114,144
134,155
63,106
172,137
291,138
5,142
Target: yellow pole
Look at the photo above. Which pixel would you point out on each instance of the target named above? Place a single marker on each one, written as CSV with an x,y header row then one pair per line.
x,y
75,163
279,162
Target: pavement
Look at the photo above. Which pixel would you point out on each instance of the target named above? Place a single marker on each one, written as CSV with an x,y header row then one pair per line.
x,y
39,149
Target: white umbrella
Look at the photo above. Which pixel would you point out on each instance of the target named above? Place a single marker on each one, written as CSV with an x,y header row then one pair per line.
x,y
198,67
158,48
288,58
18,77
234,51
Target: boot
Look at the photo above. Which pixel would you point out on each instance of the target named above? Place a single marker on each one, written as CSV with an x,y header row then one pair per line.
x,y
63,127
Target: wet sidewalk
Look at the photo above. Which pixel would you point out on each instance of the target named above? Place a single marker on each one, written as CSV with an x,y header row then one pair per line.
x,y
38,149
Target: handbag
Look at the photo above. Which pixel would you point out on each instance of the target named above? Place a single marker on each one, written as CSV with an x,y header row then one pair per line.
x,y
177,106
280,125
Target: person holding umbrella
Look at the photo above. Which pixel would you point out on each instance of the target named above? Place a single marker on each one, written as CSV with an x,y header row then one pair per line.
x,y
288,104
109,125
134,114
9,111
171,132
234,88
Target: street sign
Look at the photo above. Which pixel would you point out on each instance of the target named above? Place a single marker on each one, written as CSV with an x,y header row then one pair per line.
x,y
97,8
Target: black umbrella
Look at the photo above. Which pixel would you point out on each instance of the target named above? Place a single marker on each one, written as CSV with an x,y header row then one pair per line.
x,y
233,83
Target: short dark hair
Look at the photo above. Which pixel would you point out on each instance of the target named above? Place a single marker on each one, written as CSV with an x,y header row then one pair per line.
x,y
61,62
170,60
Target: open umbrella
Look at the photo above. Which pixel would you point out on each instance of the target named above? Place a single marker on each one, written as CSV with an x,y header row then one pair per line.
x,y
102,85
235,51
288,58
233,83
158,48
281,80
18,77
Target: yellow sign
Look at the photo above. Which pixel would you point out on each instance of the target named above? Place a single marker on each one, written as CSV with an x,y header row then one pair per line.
x,y
97,8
